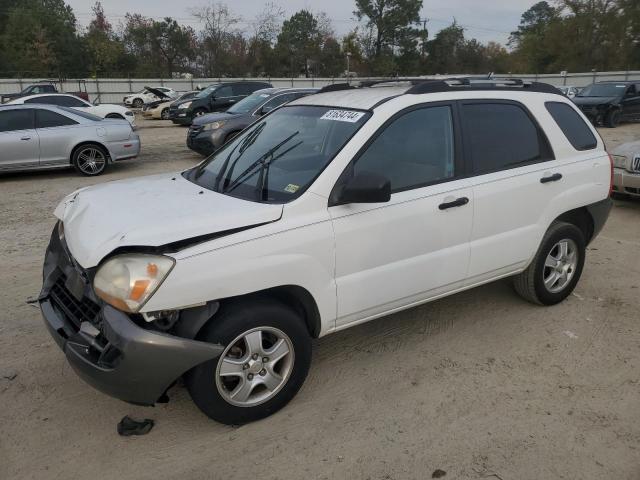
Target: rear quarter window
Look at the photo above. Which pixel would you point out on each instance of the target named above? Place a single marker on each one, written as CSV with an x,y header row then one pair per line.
x,y
572,125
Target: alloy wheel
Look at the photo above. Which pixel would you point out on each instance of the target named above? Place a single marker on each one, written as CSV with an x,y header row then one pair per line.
x,y
560,265
91,161
255,366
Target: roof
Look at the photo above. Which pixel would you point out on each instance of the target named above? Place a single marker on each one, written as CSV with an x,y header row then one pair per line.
x,y
274,90
49,94
361,98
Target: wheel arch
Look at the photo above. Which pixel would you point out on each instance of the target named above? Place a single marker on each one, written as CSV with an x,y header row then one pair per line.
x,y
88,142
299,298
115,115
580,217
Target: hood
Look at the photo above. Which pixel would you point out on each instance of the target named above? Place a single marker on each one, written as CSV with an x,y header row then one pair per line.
x,y
630,149
594,100
214,117
150,211
157,93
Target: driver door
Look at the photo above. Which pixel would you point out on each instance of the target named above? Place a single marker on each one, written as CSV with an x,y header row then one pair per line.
x,y
631,103
416,246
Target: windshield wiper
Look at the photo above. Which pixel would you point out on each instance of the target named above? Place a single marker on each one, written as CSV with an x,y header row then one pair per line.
x,y
264,172
246,143
249,171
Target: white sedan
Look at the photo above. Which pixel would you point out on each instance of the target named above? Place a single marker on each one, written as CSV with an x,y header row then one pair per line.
x,y
105,110
149,94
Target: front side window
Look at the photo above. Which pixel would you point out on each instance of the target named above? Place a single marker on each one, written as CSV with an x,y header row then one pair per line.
x,y
14,120
279,157
501,136
207,91
277,101
49,119
415,150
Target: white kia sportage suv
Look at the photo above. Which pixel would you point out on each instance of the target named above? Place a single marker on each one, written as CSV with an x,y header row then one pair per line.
x,y
333,210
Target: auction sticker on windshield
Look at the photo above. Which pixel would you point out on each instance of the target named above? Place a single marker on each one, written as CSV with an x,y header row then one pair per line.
x,y
342,116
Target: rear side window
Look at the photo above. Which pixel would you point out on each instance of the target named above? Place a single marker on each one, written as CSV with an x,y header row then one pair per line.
x,y
501,136
13,120
224,92
572,125
49,119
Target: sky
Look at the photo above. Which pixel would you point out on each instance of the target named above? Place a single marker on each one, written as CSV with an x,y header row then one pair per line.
x,y
485,20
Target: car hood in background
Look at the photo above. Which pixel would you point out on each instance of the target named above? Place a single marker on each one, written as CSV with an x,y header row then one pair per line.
x,y
151,212
595,100
215,117
158,93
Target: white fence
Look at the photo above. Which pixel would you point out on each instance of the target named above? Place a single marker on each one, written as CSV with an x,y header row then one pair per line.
x,y
112,90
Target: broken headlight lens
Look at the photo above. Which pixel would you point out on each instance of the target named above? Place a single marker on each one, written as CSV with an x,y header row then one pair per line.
x,y
128,281
619,161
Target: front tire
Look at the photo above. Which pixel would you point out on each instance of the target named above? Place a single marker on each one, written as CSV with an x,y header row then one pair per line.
x,y
612,120
164,115
556,268
137,103
265,362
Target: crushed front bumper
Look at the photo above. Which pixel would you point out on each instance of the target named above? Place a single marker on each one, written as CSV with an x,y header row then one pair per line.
x,y
105,347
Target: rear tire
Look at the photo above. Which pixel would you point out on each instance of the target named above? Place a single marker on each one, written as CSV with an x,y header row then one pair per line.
x,y
612,120
251,331
556,268
90,159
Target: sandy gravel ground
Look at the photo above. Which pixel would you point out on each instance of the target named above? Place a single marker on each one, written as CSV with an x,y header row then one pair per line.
x,y
479,385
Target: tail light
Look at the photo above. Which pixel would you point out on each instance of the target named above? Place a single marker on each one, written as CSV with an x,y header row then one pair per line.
x,y
611,179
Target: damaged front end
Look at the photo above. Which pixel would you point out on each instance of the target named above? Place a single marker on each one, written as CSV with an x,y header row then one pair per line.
x,y
122,355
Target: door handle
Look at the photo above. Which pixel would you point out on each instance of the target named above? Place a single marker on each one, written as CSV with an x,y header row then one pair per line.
x,y
551,178
458,202
25,138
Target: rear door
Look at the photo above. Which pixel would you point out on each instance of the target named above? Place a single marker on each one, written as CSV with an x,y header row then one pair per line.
x,y
631,103
19,146
514,179
56,134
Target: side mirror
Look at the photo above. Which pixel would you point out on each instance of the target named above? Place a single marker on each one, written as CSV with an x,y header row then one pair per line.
x,y
266,109
365,187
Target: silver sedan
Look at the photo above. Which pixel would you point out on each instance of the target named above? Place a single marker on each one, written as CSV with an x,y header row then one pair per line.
x,y
39,136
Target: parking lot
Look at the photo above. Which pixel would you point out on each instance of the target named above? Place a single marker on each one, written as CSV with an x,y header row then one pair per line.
x,y
479,385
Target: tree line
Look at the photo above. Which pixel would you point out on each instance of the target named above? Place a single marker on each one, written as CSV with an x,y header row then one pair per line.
x,y
42,38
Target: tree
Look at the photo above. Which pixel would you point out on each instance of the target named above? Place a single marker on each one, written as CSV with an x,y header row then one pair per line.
x,y
300,43
39,37
107,55
444,49
220,26
176,43
388,20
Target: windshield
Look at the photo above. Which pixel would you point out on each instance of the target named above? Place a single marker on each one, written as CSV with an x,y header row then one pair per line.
x,y
279,157
249,104
207,91
603,90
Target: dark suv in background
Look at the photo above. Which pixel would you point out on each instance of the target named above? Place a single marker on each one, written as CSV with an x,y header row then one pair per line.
x,y
215,98
209,132
609,103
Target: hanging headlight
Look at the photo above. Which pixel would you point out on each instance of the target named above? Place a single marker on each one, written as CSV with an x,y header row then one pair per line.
x,y
128,281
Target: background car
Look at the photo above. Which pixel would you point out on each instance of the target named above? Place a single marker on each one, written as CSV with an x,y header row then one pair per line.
x,y
215,98
46,136
105,110
609,103
626,169
41,87
160,108
569,91
149,94
209,132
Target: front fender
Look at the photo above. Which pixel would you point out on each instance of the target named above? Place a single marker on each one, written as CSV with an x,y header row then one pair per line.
x,y
301,256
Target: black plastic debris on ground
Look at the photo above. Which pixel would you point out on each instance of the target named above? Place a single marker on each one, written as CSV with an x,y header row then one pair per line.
x,y
128,426
438,474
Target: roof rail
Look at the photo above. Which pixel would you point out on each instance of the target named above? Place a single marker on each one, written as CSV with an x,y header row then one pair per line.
x,y
334,87
452,84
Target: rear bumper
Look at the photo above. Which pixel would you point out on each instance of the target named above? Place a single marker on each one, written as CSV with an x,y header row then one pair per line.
x,y
124,149
599,213
626,182
104,346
